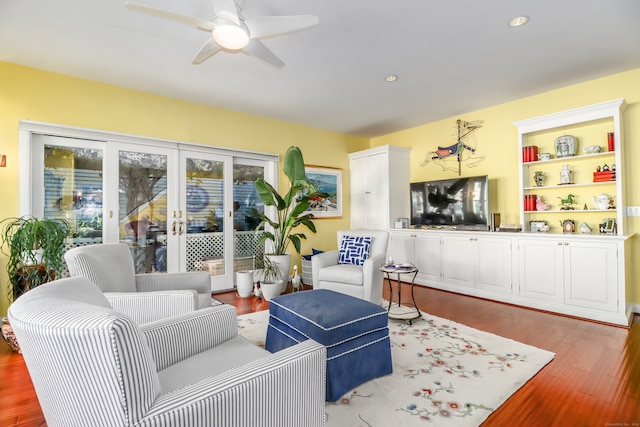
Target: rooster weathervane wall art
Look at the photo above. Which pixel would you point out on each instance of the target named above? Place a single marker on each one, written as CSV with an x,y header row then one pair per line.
x,y
452,157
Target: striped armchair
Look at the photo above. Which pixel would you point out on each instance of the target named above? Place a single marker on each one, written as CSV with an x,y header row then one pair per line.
x,y
143,297
93,366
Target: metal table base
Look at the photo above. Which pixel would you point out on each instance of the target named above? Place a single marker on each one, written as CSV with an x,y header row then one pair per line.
x,y
399,311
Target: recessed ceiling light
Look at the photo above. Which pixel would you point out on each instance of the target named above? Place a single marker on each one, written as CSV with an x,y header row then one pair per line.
x,y
518,21
391,78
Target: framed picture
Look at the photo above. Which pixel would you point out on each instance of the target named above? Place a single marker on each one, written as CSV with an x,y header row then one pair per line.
x,y
326,180
609,226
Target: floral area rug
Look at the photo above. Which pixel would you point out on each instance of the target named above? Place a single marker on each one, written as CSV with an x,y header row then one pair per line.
x,y
444,374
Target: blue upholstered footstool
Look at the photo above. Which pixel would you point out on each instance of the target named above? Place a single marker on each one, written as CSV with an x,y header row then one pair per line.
x,y
354,332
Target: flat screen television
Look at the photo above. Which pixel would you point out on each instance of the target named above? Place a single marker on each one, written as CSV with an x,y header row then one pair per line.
x,y
461,203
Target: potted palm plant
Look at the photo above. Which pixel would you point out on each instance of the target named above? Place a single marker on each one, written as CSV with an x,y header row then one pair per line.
x,y
290,210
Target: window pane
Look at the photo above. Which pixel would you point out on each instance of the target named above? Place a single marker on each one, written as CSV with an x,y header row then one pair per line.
x,y
247,208
73,190
143,208
205,215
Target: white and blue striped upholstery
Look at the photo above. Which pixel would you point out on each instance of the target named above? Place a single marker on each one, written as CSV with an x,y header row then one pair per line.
x,y
143,297
360,281
93,366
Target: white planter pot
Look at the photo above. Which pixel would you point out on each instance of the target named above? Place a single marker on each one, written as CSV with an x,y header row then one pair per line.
x,y
244,283
284,265
271,290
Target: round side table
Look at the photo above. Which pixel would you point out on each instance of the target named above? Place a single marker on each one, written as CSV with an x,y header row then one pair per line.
x,y
399,311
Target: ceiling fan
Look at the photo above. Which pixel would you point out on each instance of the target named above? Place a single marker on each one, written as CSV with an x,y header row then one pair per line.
x,y
232,32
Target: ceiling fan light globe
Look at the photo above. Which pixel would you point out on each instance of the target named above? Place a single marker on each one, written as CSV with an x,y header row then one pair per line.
x,y
230,36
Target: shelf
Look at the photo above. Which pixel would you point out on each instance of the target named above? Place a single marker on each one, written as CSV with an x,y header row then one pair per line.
x,y
557,187
570,158
572,211
590,125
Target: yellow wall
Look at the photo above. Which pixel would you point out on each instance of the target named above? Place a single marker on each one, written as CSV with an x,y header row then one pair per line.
x,y
498,141
30,94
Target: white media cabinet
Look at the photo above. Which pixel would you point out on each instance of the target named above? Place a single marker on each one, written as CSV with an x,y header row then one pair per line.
x,y
582,275
577,275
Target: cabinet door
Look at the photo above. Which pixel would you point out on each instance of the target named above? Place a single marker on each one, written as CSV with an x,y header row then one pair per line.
x,y
359,173
493,264
541,269
458,260
369,196
377,195
358,192
401,247
591,275
427,257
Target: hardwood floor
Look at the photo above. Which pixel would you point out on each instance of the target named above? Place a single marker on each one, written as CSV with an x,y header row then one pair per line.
x,y
594,379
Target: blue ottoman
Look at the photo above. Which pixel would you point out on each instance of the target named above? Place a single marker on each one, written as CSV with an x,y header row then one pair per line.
x,y
354,332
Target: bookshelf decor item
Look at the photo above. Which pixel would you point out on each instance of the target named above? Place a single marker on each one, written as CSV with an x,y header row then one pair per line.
x,y
566,146
565,175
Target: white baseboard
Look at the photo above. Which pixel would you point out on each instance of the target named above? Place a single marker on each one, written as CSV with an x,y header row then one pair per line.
x,y
635,308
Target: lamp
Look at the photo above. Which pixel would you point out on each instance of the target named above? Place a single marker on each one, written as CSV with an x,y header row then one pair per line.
x,y
3,161
230,35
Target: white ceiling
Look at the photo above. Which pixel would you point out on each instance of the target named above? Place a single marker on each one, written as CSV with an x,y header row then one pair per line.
x,y
451,56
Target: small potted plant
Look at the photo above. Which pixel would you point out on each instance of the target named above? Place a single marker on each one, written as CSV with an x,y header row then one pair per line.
x,y
270,279
35,248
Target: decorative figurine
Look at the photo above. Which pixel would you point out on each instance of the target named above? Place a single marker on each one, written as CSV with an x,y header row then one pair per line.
x,y
296,282
565,175
257,291
541,205
585,228
567,202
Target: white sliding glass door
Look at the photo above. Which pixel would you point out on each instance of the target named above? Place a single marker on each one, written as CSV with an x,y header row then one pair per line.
x,y
179,207
146,195
205,215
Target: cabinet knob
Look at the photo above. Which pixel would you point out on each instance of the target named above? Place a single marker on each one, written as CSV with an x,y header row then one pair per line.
x,y
559,243
566,243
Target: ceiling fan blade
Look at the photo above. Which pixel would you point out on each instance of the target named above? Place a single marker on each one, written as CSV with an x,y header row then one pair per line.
x,y
226,9
195,22
260,51
209,49
274,25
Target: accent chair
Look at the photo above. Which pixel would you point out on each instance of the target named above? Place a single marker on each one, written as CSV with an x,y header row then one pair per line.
x,y
94,366
353,269
143,297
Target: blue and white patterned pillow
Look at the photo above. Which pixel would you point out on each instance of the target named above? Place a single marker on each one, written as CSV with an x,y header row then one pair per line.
x,y
354,250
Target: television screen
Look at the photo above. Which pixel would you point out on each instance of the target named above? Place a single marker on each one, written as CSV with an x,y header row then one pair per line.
x,y
455,202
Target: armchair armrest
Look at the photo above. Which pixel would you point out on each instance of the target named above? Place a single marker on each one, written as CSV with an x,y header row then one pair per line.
x,y
200,281
211,326
322,260
145,307
325,259
374,277
286,388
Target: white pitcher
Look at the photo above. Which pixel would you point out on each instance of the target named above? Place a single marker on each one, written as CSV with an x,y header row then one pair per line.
x,y
602,201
